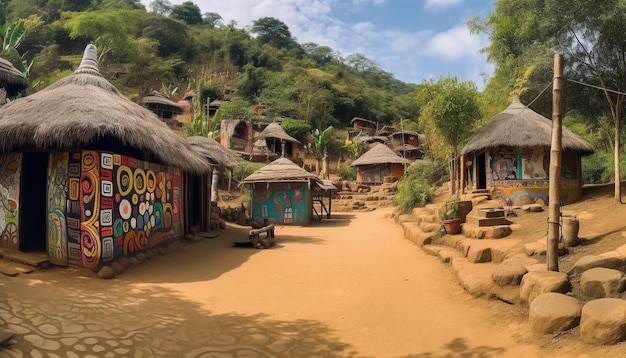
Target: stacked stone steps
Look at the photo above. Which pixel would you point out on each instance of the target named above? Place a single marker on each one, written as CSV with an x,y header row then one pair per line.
x,y
353,201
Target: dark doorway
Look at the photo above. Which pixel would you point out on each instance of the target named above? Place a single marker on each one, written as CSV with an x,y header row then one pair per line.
x,y
33,224
196,196
481,172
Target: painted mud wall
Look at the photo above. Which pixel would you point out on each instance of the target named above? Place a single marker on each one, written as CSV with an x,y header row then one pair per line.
x,y
102,206
285,203
10,170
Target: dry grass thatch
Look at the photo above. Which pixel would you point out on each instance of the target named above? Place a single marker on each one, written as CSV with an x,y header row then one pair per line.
x,y
11,79
379,154
274,130
281,169
212,150
84,107
519,126
359,119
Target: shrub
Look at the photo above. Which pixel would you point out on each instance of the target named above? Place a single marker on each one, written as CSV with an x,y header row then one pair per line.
x,y
243,169
347,173
414,189
296,128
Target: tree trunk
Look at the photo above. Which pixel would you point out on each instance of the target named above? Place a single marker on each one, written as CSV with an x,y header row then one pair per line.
x,y
618,186
318,166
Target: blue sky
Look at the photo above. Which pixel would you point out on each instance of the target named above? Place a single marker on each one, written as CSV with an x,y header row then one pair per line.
x,y
412,39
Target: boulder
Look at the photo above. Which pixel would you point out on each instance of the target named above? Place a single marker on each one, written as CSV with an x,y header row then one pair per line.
x,y
141,257
603,321
538,282
124,261
118,268
600,282
553,313
611,259
106,273
478,254
508,274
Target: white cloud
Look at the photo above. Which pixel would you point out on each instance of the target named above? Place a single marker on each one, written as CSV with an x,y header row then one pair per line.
x,y
454,44
440,4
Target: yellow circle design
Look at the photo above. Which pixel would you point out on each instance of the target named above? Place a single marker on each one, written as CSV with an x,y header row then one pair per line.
x,y
151,181
139,180
124,182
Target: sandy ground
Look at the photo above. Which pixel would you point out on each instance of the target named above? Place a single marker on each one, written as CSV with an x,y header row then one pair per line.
x,y
351,286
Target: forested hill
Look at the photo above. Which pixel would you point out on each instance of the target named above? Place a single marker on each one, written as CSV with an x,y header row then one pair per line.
x,y
170,47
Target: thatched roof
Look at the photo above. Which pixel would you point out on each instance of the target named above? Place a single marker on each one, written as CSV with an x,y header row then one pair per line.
x,y
158,103
370,139
404,133
84,107
274,130
281,169
11,79
380,154
519,126
362,120
209,148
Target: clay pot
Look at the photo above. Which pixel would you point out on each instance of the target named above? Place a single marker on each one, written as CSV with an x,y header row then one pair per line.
x,y
569,230
452,226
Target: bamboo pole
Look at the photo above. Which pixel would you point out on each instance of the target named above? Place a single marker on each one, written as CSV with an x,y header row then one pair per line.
x,y
554,195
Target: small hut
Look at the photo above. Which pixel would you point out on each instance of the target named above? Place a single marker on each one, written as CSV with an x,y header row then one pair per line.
x,y
378,163
282,192
87,176
12,81
236,134
279,142
362,125
510,157
161,105
205,188
406,144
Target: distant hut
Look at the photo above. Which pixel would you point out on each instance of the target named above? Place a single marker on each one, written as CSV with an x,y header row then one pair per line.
x,y
377,163
236,134
12,81
362,125
509,157
282,192
204,187
161,105
88,176
186,102
279,142
386,131
406,144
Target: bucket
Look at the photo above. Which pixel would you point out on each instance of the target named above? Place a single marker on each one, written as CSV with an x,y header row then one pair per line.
x,y
569,230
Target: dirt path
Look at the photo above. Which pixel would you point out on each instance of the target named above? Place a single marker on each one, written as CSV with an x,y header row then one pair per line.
x,y
351,286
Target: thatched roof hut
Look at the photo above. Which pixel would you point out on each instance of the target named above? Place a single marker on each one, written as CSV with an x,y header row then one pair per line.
x,y
281,169
11,79
380,154
212,150
520,126
274,130
84,108
162,106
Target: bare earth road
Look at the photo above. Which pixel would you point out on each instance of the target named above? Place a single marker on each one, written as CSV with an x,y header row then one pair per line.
x,y
347,287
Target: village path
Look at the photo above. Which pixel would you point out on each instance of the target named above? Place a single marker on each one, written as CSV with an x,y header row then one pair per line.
x,y
347,287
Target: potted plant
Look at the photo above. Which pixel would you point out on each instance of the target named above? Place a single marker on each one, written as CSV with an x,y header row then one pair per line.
x,y
450,217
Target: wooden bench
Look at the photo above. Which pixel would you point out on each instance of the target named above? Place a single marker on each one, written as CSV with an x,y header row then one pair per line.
x,y
265,242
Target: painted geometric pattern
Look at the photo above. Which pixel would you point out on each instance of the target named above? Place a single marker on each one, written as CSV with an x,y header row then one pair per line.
x,y
10,169
57,198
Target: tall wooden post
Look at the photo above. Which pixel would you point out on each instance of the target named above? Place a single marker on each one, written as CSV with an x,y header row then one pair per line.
x,y
552,252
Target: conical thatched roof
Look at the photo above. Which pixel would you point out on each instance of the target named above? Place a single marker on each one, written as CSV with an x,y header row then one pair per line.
x,y
280,170
274,130
380,154
212,150
520,126
11,79
84,107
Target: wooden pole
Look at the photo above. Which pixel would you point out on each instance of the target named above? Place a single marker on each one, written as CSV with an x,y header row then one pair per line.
x,y
552,252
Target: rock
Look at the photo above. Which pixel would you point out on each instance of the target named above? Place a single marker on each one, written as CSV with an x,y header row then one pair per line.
x,y
134,261
149,254
535,283
479,254
603,321
118,268
553,313
124,261
602,282
534,208
611,259
106,273
141,257
535,248
508,274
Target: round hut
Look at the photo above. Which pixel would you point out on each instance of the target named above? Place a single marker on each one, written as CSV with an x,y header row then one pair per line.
x,y
161,105
510,157
12,81
279,142
282,192
87,176
379,163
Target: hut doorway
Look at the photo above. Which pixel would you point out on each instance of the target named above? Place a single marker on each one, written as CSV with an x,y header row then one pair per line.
x,y
481,171
197,197
33,202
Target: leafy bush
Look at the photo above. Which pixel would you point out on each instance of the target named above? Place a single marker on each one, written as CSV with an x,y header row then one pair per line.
x,y
414,189
434,174
347,173
598,168
244,169
296,128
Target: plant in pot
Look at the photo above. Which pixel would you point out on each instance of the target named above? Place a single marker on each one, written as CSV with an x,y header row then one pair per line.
x,y
450,217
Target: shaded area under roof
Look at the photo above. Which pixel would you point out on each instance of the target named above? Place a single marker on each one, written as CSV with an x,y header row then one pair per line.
x,y
520,126
380,154
83,108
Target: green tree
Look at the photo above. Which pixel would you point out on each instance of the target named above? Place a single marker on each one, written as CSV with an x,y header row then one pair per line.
x,y
187,12
321,139
270,30
212,19
452,108
161,7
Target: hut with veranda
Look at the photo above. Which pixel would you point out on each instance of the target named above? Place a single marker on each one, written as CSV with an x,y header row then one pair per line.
x,y
378,163
88,176
510,156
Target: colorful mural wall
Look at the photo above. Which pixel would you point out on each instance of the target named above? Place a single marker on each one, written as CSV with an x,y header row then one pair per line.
x,y
104,206
285,203
10,170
